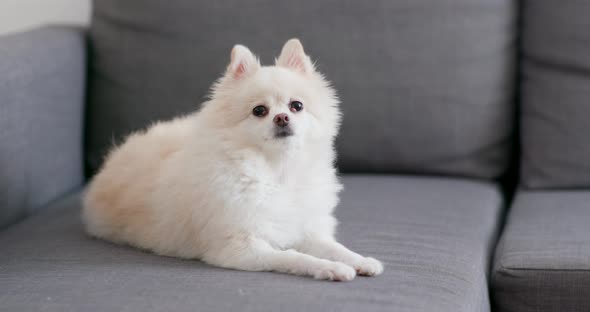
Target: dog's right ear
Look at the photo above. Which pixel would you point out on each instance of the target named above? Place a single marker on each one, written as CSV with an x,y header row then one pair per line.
x,y
243,63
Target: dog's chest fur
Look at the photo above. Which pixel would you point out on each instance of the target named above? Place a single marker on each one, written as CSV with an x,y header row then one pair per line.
x,y
277,214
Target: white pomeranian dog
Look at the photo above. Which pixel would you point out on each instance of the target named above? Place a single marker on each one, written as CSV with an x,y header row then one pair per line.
x,y
248,182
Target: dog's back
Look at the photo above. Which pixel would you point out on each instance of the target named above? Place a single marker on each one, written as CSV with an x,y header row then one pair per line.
x,y
115,205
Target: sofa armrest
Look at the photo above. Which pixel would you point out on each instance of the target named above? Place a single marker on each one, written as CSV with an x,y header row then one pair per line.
x,y
42,89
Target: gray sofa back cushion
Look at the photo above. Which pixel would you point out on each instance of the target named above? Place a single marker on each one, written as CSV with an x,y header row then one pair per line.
x,y
42,80
556,94
425,84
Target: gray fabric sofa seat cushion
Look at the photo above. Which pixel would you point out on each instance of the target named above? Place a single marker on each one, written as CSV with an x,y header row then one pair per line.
x,y
42,84
433,235
556,94
408,72
542,262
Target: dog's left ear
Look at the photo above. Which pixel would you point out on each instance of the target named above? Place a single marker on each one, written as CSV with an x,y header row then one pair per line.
x,y
293,57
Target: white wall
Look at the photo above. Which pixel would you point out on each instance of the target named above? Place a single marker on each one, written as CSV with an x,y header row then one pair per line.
x,y
16,15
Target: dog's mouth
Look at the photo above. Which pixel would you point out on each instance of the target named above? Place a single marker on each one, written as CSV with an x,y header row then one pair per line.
x,y
283,132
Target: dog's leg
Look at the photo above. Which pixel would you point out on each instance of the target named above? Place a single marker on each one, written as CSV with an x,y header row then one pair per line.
x,y
258,255
328,248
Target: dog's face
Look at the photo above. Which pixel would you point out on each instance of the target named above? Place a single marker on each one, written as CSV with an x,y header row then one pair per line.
x,y
275,107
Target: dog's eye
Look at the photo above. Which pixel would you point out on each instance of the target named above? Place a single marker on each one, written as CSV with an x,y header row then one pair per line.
x,y
296,106
260,111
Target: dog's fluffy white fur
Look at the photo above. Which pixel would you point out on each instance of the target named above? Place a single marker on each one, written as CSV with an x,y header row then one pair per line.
x,y
222,185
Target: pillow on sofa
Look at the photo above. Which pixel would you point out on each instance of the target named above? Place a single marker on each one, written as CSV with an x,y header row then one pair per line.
x,y
556,94
426,86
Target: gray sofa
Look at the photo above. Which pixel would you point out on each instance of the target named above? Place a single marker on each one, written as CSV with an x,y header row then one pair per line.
x,y
464,151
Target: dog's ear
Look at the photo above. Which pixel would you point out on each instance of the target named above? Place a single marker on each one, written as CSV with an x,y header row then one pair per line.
x,y
293,57
243,63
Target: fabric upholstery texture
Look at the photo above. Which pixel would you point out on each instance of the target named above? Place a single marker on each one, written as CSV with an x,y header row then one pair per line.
x,y
434,235
555,94
542,262
408,72
42,77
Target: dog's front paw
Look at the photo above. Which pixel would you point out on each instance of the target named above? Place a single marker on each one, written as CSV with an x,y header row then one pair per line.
x,y
369,267
335,271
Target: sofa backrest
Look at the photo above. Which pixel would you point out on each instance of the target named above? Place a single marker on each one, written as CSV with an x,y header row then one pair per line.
x,y
426,85
556,94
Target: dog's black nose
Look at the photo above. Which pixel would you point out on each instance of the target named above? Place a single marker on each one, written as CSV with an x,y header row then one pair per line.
x,y
281,120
